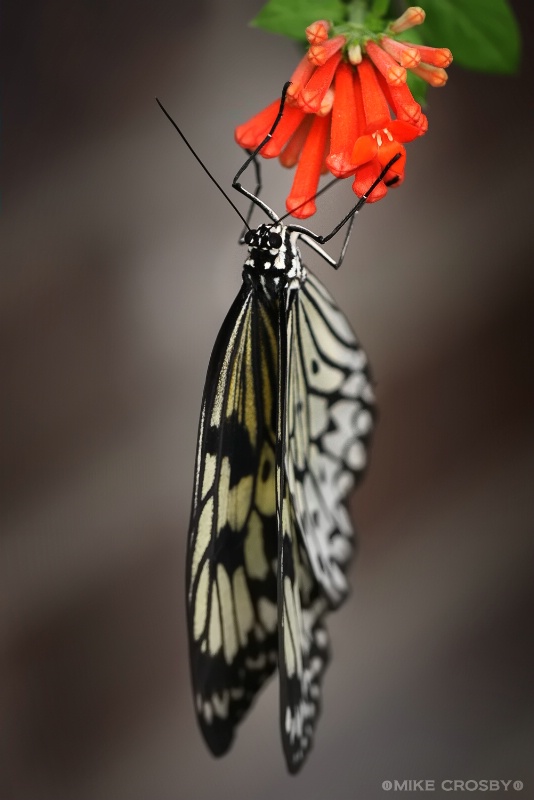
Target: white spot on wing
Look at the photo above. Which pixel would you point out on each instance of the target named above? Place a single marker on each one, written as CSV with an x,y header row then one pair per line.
x,y
224,490
227,612
364,422
214,632
201,603
239,503
318,415
268,614
220,704
255,561
203,536
243,605
356,456
209,473
208,713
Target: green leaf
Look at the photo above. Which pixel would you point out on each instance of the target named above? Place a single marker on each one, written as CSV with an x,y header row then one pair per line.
x,y
412,36
292,17
482,34
380,8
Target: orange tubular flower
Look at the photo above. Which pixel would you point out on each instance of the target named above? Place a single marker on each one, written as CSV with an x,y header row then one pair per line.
x,y
312,95
344,131
301,199
382,138
349,109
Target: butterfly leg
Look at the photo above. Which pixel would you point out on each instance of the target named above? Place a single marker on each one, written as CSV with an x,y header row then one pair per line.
x,y
311,242
252,157
257,190
314,239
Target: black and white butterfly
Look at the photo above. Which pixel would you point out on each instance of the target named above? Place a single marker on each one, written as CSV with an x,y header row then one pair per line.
x,y
285,423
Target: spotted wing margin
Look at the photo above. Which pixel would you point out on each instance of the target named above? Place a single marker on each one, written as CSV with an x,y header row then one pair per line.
x,y
329,422
303,640
232,549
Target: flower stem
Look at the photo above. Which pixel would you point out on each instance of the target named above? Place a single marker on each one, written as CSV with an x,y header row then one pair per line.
x,y
357,11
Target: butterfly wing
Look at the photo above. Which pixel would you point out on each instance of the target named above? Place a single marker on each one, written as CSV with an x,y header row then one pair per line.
x,y
232,550
303,640
325,421
303,645
329,422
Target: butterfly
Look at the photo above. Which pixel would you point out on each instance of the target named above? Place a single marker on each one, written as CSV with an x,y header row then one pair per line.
x,y
285,424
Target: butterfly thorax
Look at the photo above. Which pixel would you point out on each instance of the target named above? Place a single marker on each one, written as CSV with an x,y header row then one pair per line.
x,y
274,259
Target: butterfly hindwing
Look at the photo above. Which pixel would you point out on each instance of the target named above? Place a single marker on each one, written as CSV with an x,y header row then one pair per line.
x,y
303,640
303,646
329,422
232,554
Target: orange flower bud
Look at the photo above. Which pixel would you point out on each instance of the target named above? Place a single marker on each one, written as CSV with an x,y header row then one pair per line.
x,y
386,64
414,15
320,53
406,54
317,32
435,76
437,56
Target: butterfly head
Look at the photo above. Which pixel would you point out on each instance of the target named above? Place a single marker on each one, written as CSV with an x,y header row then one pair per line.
x,y
273,252
267,238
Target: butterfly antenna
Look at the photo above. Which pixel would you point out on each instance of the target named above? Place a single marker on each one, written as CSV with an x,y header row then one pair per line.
x,y
204,167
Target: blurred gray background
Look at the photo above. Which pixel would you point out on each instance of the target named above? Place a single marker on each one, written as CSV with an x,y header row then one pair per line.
x,y
119,262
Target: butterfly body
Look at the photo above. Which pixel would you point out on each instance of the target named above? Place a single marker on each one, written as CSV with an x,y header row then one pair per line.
x,y
285,421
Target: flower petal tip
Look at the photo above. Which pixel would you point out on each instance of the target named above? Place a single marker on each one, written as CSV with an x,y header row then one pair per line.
x,y
340,165
300,207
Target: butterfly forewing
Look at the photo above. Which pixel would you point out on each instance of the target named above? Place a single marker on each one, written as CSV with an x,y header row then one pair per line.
x,y
232,556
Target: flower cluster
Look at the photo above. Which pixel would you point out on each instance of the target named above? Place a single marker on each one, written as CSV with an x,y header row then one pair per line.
x,y
348,109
